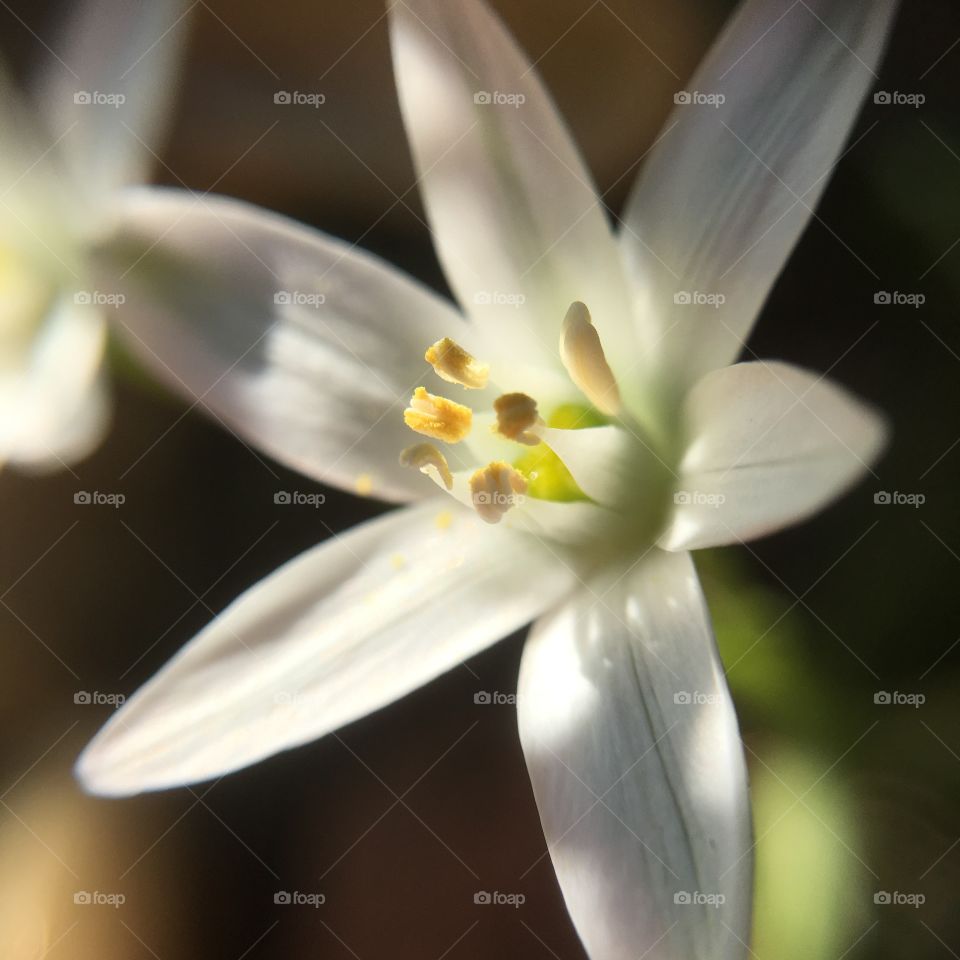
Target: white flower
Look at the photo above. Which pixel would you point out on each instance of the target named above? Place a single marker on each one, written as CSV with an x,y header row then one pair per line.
x,y
312,350
82,133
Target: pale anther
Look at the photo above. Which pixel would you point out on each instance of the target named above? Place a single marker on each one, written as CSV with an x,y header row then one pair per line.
x,y
429,460
516,414
495,488
451,362
583,356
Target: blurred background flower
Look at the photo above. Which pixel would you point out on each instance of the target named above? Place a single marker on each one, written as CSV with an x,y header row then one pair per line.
x,y
841,637
74,135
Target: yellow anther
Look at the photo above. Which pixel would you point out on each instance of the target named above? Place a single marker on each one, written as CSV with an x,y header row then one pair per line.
x,y
582,355
455,365
516,414
429,460
437,417
496,488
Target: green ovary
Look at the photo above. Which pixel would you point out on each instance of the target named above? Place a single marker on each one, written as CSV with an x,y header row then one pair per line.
x,y
546,474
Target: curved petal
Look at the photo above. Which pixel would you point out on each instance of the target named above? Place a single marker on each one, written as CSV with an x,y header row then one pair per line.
x,y
300,343
634,754
106,99
75,425
334,634
769,445
727,190
53,404
517,223
603,460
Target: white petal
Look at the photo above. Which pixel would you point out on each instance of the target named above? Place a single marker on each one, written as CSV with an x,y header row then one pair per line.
x,y
511,204
600,459
727,191
579,524
769,445
82,426
300,343
41,206
336,633
109,92
634,754
53,405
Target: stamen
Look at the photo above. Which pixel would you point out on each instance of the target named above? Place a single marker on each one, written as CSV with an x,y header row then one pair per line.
x,y
516,414
429,460
582,355
496,488
437,417
451,362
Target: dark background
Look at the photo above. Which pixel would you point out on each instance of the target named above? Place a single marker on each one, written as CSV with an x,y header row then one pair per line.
x,y
402,816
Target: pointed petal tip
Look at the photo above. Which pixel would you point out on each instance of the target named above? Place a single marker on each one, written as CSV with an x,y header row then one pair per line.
x,y
117,764
100,779
111,765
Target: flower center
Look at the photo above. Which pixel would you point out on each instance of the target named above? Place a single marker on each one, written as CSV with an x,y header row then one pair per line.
x,y
534,470
549,478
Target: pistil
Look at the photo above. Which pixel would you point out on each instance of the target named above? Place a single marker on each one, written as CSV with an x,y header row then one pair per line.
x,y
583,356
